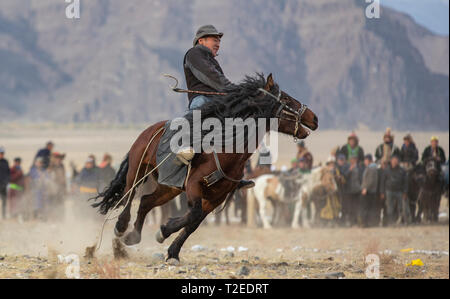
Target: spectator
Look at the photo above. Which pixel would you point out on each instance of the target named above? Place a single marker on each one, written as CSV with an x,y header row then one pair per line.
x,y
264,158
350,206
58,190
303,166
370,205
409,153
387,149
434,150
302,152
88,180
88,183
394,188
16,188
4,179
352,149
107,172
39,186
45,154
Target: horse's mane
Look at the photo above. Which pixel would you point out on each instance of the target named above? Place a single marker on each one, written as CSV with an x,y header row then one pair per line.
x,y
241,101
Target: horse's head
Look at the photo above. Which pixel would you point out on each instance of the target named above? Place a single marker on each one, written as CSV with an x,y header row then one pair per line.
x,y
432,167
293,116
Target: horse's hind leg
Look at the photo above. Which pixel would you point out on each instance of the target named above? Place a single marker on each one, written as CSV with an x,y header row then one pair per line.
x,y
161,196
124,217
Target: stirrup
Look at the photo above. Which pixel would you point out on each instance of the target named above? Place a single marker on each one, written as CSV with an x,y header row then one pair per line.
x,y
185,155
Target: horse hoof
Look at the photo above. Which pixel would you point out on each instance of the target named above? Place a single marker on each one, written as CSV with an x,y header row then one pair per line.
x,y
117,233
159,237
173,262
132,238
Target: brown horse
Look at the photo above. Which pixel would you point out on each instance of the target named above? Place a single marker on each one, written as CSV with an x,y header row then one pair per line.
x,y
254,98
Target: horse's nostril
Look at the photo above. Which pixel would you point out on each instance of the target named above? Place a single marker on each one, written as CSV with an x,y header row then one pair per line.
x,y
316,119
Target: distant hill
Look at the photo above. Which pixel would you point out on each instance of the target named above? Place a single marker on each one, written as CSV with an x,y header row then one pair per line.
x,y
106,67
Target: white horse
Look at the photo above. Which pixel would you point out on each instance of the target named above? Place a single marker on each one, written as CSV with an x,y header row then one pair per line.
x,y
320,177
277,189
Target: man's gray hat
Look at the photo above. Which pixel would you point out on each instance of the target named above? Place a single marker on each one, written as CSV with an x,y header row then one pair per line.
x,y
206,30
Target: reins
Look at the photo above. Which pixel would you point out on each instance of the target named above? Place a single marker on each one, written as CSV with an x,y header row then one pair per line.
x,y
107,217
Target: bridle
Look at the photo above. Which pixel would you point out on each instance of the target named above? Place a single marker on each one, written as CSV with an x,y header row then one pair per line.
x,y
284,109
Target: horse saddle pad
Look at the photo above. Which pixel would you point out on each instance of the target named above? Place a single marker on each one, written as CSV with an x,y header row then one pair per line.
x,y
172,172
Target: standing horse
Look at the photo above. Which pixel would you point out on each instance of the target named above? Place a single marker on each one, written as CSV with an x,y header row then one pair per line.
x,y
315,187
430,191
254,98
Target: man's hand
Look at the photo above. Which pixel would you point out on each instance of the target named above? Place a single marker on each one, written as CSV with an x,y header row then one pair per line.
x,y
364,191
382,196
405,196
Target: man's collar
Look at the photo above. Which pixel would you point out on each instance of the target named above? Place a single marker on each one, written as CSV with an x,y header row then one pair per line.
x,y
204,48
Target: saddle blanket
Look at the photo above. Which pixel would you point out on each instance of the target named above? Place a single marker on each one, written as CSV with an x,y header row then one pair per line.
x,y
172,172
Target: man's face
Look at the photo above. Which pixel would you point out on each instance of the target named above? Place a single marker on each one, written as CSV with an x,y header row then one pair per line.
x,y
341,162
367,162
434,143
407,142
352,142
89,165
212,43
387,139
2,155
302,165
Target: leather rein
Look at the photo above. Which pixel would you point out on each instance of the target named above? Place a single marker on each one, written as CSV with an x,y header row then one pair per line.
x,y
284,109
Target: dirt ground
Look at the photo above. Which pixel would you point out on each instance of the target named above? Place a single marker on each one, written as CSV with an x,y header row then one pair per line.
x,y
51,249
31,250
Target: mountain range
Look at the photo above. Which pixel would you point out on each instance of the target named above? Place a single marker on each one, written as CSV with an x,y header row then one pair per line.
x,y
107,66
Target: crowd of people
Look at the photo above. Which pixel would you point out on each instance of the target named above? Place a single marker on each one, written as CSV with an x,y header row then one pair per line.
x,y
371,186
40,193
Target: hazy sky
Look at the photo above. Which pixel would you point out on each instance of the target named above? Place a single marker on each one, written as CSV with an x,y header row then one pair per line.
x,y
432,14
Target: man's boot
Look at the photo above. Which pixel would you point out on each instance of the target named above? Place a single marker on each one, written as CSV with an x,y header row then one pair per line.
x,y
185,155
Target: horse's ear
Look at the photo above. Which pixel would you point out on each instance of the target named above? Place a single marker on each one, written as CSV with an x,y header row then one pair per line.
x,y
269,83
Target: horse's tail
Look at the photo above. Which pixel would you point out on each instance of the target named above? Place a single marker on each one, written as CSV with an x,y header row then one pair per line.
x,y
114,192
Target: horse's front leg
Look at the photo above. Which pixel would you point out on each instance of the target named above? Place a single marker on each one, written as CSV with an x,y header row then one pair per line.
x,y
205,208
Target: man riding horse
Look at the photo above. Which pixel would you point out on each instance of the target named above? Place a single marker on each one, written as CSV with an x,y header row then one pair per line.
x,y
204,76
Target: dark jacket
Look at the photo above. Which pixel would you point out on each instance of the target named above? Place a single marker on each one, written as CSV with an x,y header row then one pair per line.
x,y
107,174
409,154
203,72
4,173
353,179
45,155
428,153
394,179
370,179
89,178
359,152
395,151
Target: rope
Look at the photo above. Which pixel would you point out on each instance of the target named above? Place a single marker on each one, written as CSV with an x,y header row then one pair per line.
x,y
132,188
